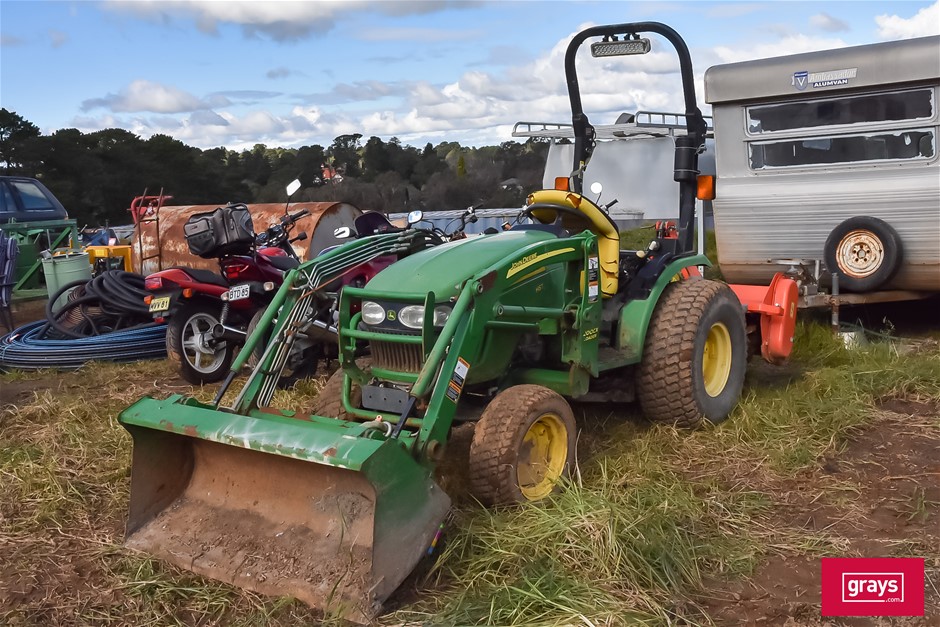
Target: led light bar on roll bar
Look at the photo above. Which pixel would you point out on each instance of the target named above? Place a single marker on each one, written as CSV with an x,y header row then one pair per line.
x,y
614,48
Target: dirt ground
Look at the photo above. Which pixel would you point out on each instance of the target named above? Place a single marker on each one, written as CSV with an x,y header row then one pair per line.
x,y
878,497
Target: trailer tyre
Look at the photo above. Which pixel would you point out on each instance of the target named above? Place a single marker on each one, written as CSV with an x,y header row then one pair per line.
x,y
523,443
189,345
695,356
865,251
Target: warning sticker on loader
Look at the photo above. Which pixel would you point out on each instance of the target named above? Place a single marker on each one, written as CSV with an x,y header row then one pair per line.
x,y
593,272
455,385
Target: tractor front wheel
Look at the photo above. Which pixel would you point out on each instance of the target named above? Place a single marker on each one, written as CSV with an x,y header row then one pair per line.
x,y
523,443
329,401
695,356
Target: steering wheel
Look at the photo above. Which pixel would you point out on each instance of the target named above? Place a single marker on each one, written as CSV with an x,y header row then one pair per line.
x,y
527,211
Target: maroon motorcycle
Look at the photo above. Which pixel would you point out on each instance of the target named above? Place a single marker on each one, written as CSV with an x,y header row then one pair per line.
x,y
208,314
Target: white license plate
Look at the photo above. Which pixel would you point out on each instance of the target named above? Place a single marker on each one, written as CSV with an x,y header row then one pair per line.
x,y
160,304
239,292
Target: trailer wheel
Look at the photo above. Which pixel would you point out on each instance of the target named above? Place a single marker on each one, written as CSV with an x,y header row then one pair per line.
x,y
329,401
523,443
865,251
695,356
301,363
190,346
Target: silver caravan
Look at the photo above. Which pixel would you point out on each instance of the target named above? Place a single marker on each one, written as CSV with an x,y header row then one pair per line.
x,y
831,157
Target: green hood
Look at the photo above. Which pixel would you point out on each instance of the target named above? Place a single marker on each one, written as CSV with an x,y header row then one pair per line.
x,y
443,268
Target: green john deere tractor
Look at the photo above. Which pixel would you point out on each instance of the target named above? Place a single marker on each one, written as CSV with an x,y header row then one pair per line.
x,y
337,506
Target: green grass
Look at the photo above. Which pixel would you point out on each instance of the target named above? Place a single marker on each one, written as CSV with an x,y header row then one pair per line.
x,y
652,515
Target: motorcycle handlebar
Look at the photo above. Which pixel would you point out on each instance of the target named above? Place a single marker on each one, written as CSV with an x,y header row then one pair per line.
x,y
299,215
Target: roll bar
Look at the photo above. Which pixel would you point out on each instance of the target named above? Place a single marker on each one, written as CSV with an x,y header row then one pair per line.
x,y
687,147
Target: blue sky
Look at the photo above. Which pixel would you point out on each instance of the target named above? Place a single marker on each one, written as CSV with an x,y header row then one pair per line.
x,y
217,73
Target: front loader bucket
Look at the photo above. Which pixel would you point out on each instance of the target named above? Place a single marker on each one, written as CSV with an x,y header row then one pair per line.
x,y
279,505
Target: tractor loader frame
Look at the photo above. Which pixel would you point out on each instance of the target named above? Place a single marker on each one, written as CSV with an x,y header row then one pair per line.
x,y
337,506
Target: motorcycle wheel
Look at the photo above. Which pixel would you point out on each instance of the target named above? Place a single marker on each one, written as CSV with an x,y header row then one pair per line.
x,y
189,344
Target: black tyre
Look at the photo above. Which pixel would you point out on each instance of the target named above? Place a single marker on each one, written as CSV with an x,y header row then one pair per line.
x,y
190,345
329,401
301,363
523,443
695,356
865,251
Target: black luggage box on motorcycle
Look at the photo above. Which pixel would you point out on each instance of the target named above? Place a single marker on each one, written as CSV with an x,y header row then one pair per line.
x,y
226,231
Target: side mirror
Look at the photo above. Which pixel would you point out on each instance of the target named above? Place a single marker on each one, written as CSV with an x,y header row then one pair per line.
x,y
292,187
415,216
342,232
596,188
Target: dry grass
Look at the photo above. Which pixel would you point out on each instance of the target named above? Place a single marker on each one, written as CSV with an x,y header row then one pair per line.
x,y
651,514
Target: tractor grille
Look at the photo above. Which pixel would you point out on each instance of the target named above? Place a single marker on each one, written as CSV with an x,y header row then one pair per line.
x,y
397,357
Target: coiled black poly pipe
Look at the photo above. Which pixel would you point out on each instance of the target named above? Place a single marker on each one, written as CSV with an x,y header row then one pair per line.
x,y
104,319
117,298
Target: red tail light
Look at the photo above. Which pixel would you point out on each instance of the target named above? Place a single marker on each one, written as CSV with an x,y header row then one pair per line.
x,y
153,283
234,270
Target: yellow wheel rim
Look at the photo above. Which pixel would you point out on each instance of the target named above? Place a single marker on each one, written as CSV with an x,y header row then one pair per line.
x,y
542,457
716,360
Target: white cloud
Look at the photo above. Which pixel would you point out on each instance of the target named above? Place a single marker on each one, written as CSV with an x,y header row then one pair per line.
x,y
925,22
478,107
57,38
826,22
793,44
280,21
144,95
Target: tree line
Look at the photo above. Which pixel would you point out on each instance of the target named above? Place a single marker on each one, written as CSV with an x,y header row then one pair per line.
x,y
96,175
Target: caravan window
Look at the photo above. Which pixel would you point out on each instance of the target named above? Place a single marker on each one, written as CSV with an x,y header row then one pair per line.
x,y
868,109
919,144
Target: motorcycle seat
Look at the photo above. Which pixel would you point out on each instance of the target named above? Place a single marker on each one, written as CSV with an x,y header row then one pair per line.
x,y
204,276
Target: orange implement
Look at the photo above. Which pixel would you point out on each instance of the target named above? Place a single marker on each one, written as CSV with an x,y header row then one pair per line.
x,y
776,304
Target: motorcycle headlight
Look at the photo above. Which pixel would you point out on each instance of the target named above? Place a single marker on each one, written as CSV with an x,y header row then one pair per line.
x,y
372,313
412,316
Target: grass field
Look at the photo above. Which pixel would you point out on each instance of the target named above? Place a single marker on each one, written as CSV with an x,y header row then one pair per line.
x,y
836,453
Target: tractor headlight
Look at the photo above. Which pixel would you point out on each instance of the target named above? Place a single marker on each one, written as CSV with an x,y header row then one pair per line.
x,y
412,316
372,313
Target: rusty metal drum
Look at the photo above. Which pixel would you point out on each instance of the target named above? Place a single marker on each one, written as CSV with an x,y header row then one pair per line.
x,y
168,248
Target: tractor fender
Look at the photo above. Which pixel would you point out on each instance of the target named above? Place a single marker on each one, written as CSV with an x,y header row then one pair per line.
x,y
636,314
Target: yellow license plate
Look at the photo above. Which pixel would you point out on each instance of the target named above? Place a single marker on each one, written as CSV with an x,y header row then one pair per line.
x,y
160,304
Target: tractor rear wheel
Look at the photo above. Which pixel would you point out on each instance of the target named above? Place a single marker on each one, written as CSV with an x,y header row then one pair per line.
x,y
523,443
329,401
695,356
